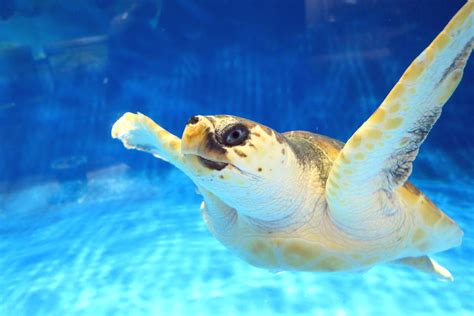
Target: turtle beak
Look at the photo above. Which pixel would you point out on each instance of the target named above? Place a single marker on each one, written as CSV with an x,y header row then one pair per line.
x,y
199,138
195,135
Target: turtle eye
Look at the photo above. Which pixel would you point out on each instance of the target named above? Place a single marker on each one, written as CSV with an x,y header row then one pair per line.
x,y
235,135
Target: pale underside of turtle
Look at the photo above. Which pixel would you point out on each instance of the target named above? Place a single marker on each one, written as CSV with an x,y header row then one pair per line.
x,y
301,201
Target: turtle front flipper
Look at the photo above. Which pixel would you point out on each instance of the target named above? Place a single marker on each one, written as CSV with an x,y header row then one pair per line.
x,y
137,131
378,157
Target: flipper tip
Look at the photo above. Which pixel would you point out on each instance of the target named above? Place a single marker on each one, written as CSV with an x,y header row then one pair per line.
x,y
441,271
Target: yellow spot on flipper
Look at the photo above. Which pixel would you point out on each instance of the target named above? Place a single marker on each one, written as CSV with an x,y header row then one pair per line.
x,y
441,41
414,71
359,156
394,123
396,93
374,133
418,235
429,55
450,86
355,141
377,117
394,108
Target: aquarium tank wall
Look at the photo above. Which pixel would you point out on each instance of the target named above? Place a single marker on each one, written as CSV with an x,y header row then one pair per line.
x,y
89,228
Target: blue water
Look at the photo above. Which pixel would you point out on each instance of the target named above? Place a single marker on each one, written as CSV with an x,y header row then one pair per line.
x,y
89,228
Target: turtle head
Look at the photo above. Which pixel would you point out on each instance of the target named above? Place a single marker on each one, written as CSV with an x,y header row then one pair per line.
x,y
247,166
243,163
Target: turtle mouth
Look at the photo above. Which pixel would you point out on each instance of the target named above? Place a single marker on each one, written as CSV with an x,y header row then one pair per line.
x,y
211,164
219,165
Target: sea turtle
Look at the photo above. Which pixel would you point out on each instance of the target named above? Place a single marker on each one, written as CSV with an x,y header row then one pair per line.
x,y
302,201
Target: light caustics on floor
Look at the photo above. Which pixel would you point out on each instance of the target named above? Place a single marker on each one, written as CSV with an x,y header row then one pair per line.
x,y
130,245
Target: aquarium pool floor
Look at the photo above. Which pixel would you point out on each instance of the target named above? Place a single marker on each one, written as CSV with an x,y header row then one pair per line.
x,y
116,243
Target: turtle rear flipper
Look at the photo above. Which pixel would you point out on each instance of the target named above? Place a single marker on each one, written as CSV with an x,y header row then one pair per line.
x,y
426,264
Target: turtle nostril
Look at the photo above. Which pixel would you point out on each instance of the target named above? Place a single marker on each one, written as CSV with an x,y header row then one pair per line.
x,y
193,120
